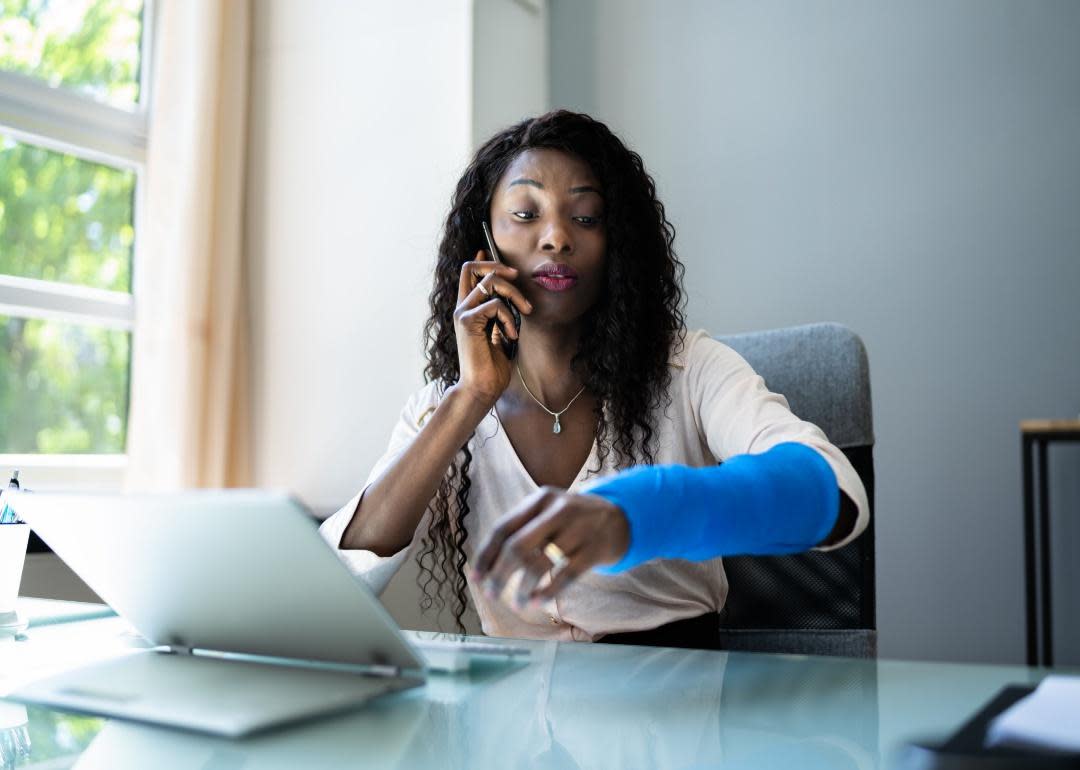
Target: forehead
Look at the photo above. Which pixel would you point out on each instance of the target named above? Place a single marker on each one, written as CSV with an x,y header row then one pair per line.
x,y
552,168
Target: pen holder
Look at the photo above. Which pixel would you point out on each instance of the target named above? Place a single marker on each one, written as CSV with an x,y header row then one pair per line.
x,y
14,735
13,540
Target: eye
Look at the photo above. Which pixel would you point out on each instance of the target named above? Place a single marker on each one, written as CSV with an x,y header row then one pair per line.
x,y
526,215
587,221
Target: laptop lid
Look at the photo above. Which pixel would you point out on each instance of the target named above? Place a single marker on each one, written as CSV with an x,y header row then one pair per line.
x,y
242,571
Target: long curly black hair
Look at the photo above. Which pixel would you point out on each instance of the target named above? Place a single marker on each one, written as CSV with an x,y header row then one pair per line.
x,y
627,337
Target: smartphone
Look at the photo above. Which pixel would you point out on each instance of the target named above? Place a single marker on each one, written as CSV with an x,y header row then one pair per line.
x,y
509,345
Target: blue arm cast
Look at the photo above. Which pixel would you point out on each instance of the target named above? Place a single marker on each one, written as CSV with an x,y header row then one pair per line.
x,y
784,500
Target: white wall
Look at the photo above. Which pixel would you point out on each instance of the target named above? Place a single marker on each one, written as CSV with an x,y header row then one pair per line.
x,y
362,121
910,169
510,64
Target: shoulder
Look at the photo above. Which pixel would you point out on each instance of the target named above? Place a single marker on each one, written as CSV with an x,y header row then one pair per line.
x,y
701,353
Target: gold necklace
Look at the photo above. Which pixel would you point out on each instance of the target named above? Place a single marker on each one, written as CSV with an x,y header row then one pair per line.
x,y
557,427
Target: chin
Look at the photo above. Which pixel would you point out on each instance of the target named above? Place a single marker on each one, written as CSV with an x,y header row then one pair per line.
x,y
562,317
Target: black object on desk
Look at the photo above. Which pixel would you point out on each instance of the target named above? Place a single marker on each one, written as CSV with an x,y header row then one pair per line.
x,y
1036,435
966,749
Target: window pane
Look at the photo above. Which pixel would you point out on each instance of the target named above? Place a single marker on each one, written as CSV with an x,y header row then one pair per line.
x,y
63,387
64,219
89,45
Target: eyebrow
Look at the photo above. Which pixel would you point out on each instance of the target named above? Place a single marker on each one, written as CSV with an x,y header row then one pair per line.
x,y
573,190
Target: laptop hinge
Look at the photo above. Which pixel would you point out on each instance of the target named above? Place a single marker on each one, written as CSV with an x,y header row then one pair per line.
x,y
375,670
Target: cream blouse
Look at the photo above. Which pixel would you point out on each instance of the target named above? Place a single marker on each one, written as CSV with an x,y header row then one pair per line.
x,y
720,408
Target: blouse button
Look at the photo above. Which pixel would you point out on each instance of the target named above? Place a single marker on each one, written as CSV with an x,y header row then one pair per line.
x,y
553,620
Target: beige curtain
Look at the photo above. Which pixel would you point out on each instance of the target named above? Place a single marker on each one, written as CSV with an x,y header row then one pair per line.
x,y
189,421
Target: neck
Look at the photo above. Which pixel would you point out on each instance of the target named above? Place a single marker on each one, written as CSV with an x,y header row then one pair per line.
x,y
544,356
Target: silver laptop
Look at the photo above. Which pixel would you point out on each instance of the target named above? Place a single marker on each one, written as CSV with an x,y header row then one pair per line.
x,y
257,621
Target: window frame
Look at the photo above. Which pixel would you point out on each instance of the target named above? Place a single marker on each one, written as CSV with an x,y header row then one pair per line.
x,y
61,119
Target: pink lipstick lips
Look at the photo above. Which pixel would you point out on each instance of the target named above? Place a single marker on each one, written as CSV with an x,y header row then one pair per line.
x,y
555,277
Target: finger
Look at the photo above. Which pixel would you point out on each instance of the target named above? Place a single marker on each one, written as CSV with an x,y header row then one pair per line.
x,y
534,567
576,565
574,538
552,522
524,549
507,525
481,291
497,336
492,286
572,533
513,556
529,565
480,268
476,319
568,540
495,284
472,272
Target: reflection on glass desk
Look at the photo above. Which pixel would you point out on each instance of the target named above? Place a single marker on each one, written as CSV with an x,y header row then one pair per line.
x,y
571,706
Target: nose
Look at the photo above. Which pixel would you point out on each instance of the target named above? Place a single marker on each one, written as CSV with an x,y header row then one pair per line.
x,y
556,237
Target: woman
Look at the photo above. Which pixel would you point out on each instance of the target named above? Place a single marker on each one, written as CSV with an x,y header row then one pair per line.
x,y
604,378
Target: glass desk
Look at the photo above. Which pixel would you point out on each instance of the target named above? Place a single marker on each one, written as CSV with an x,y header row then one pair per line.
x,y
571,706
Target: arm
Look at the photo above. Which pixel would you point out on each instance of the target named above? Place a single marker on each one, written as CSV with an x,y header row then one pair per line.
x,y
389,512
740,420
738,415
785,500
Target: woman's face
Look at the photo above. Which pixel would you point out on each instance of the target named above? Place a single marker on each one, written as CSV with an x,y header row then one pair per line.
x,y
547,217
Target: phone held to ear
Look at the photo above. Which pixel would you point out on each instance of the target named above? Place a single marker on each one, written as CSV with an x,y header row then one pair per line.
x,y
509,346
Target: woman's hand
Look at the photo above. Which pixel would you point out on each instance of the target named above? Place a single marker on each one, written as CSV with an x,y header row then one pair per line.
x,y
588,530
485,369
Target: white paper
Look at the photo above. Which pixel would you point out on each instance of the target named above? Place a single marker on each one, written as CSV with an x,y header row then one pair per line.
x,y
1049,718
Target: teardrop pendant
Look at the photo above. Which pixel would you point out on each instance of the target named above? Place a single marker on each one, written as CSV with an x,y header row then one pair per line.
x,y
556,428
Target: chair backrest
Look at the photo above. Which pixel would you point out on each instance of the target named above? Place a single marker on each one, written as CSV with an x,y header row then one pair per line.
x,y
815,602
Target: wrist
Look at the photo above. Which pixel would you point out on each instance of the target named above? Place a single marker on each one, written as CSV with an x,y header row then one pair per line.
x,y
617,526
468,402
626,492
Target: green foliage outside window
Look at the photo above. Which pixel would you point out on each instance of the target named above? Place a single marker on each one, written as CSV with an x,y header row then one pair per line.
x,y
89,45
64,386
64,219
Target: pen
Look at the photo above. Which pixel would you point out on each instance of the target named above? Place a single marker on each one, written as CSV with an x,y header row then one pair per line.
x,y
7,515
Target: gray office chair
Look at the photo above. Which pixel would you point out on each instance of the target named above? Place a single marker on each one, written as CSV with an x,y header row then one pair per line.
x,y
819,603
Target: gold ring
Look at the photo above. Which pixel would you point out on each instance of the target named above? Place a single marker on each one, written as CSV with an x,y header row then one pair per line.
x,y
556,556
483,291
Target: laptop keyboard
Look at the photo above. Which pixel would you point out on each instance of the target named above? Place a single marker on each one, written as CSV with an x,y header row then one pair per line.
x,y
451,656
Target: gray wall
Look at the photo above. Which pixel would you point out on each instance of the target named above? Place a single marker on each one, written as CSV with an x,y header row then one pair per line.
x,y
909,169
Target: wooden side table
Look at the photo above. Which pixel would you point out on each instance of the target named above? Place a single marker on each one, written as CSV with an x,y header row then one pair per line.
x,y
1036,436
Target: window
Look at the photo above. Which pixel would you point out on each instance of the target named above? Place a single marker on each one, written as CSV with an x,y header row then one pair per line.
x,y
73,123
